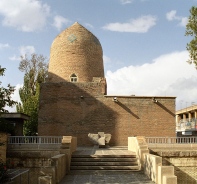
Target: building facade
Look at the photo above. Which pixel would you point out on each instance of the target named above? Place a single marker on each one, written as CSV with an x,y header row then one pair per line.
x,y
186,124
74,100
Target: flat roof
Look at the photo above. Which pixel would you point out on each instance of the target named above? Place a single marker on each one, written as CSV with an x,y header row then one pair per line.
x,y
134,96
187,109
14,115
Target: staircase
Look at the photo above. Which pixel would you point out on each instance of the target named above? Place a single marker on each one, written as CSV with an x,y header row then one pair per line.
x,y
104,163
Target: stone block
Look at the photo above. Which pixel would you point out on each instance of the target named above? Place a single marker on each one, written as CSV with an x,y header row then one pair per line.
x,y
169,179
45,180
151,166
100,139
101,134
107,138
164,171
93,138
142,153
101,142
60,166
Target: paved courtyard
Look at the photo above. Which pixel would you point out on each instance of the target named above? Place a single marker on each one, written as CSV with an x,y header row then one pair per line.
x,y
107,177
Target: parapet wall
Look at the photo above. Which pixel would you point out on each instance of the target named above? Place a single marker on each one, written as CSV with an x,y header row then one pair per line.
x,y
151,164
45,165
184,159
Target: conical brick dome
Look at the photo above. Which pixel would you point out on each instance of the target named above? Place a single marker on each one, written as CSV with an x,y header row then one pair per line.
x,y
76,55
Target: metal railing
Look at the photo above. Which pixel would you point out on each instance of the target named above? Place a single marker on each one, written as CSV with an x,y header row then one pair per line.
x,y
171,140
35,140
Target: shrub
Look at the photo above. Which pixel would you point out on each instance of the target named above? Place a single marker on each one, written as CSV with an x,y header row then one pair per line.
x,y
3,170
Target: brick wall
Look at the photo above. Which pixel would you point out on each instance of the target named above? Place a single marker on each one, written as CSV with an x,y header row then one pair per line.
x,y
81,108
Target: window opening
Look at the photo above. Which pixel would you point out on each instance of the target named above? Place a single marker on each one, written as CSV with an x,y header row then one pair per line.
x,y
73,78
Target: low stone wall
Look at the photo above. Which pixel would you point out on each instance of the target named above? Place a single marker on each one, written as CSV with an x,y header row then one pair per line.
x,y
59,162
45,166
139,146
158,173
184,162
151,164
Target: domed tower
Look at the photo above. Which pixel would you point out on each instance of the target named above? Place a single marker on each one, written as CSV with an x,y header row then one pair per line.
x,y
76,56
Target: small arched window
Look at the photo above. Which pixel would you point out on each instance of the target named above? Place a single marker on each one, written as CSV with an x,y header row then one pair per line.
x,y
73,78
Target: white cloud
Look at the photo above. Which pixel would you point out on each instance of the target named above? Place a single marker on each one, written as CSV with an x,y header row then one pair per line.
x,y
4,45
89,25
139,25
167,75
183,21
59,21
126,1
171,16
26,50
106,59
24,15
14,58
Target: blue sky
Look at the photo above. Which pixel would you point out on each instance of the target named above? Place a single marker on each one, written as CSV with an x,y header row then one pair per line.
x,y
144,47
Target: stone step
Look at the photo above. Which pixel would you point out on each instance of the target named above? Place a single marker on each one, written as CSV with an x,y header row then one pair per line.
x,y
100,172
103,156
102,159
104,167
104,163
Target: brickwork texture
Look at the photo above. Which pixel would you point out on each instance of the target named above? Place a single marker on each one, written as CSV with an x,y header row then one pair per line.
x,y
78,51
83,107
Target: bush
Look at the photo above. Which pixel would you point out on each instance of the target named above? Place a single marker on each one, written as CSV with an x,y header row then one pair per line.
x,y
6,126
3,170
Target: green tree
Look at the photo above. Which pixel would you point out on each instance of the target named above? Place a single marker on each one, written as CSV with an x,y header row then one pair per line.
x,y
5,101
191,30
35,70
5,94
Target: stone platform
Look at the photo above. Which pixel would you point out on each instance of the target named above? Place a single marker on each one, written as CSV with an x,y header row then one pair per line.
x,y
107,177
115,150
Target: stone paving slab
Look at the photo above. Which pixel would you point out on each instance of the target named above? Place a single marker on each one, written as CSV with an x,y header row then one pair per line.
x,y
107,178
103,151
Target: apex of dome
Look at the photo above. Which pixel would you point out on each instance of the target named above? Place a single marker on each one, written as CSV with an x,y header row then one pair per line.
x,y
76,26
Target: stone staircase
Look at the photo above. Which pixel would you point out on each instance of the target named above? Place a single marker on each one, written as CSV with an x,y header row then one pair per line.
x,y
104,163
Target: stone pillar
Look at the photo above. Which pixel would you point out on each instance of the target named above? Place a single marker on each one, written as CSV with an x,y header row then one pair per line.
x,y
189,115
178,118
184,116
195,114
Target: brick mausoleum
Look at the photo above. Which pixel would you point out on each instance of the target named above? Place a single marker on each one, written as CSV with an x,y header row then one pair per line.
x,y
74,100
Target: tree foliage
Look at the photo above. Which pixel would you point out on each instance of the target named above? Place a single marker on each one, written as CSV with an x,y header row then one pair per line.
x,y
5,94
35,70
6,101
191,30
